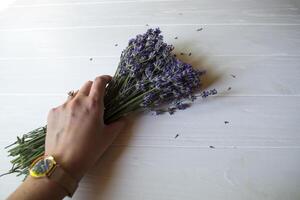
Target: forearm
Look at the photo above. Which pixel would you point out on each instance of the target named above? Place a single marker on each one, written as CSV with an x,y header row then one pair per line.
x,y
38,189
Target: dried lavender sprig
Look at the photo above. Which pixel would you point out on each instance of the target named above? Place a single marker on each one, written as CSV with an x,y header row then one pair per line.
x,y
148,76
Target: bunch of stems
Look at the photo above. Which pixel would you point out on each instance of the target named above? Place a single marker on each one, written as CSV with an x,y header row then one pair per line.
x,y
148,76
32,144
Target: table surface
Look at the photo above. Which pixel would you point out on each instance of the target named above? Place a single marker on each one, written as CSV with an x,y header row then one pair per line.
x,y
49,47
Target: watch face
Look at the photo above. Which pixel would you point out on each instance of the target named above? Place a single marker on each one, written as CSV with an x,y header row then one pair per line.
x,y
42,166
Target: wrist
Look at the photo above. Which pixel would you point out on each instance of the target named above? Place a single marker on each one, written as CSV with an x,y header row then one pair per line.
x,y
75,170
51,169
45,186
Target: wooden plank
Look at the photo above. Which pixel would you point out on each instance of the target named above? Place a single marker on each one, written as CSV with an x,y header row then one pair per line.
x,y
254,122
254,75
204,4
253,3
168,173
132,13
19,115
163,173
212,40
230,3
47,2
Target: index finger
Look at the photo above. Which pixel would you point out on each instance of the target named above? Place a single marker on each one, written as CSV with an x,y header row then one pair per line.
x,y
98,88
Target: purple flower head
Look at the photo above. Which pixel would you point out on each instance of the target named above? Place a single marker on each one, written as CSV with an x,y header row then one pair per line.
x,y
182,106
207,93
142,52
149,66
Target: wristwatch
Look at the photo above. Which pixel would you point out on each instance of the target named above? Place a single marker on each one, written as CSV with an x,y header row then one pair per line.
x,y
46,166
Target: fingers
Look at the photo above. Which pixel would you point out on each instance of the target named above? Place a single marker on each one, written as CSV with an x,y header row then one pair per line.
x,y
75,93
94,89
85,89
98,88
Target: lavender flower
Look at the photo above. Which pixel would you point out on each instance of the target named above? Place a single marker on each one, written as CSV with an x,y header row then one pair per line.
x,y
149,73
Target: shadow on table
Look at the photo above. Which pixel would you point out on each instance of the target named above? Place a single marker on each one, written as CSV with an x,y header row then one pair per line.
x,y
99,183
200,61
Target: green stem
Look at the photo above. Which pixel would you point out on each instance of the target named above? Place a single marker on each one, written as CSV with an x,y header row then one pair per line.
x,y
108,115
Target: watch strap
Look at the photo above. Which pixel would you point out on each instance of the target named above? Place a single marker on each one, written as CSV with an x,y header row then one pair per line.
x,y
60,176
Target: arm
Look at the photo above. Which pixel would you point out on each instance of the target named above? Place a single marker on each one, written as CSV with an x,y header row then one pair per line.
x,y
76,137
38,189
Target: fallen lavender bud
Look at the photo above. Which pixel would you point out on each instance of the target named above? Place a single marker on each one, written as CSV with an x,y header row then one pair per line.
x,y
171,110
207,93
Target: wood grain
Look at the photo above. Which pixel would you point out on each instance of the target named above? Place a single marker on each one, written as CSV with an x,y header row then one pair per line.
x,y
49,47
276,75
132,13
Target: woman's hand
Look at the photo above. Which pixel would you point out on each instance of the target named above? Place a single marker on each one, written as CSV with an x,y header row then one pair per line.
x,y
76,137
76,133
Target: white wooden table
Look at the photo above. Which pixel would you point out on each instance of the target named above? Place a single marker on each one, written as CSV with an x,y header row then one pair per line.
x,y
48,47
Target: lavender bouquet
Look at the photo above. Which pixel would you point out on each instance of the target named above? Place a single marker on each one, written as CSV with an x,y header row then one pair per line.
x,y
148,77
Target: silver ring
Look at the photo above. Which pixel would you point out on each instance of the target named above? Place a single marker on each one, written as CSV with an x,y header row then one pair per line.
x,y
71,93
